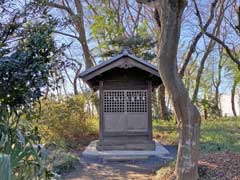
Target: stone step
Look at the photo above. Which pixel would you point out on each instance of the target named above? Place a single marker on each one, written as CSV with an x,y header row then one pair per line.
x,y
126,145
120,155
125,158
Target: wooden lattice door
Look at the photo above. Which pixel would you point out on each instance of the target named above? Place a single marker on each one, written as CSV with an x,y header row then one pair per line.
x,y
125,110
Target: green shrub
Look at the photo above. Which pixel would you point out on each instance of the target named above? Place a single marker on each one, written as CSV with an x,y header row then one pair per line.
x,y
23,75
67,121
64,162
59,159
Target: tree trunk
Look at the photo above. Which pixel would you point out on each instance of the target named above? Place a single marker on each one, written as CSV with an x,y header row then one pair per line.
x,y
170,13
77,16
232,98
205,109
217,84
75,80
200,70
156,105
162,103
79,22
217,100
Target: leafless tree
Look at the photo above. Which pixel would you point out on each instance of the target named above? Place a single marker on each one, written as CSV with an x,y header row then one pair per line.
x,y
75,14
209,48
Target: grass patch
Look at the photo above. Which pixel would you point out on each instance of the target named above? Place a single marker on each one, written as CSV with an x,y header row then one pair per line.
x,y
221,134
165,131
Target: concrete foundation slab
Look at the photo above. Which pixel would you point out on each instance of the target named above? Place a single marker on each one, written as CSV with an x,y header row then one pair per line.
x,y
92,152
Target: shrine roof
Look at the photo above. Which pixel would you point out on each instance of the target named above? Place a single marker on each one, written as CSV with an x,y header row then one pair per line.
x,y
120,61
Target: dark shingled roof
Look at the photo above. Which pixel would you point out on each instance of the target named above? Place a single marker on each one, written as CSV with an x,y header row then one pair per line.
x,y
125,53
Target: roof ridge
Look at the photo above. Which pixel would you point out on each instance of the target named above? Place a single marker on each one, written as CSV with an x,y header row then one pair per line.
x,y
125,52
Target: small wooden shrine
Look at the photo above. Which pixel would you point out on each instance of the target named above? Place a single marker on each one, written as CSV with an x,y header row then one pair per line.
x,y
125,84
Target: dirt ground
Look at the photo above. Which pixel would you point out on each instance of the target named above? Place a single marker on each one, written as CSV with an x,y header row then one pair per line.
x,y
96,169
212,166
220,166
112,171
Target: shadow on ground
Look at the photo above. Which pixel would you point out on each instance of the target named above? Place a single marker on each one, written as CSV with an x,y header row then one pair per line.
x,y
97,169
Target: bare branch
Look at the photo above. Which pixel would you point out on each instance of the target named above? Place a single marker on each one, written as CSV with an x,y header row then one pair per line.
x,y
66,34
219,41
228,50
91,7
60,6
192,48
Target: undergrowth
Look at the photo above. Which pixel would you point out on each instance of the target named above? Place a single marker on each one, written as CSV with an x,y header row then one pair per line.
x,y
221,134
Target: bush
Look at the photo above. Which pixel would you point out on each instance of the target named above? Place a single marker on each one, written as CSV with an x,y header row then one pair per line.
x,y
23,75
64,162
67,121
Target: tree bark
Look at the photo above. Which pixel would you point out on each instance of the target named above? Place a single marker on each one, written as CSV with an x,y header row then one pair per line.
x,y
75,89
162,103
170,14
156,105
232,98
205,109
79,22
217,99
217,84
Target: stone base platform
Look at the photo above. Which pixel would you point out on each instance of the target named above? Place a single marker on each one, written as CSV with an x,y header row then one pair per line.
x,y
116,155
126,145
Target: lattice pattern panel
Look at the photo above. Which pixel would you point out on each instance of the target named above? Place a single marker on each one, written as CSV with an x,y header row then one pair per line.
x,y
113,101
136,101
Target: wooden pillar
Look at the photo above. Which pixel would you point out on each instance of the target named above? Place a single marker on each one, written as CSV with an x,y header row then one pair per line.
x,y
149,109
101,109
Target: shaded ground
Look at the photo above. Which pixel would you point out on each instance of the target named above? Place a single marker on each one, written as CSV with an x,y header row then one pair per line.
x,y
220,157
213,166
95,169
220,166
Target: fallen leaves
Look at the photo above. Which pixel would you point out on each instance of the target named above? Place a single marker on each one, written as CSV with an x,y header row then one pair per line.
x,y
219,166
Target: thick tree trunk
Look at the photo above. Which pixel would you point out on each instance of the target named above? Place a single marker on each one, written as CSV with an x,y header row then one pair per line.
x,y
232,98
162,103
170,13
